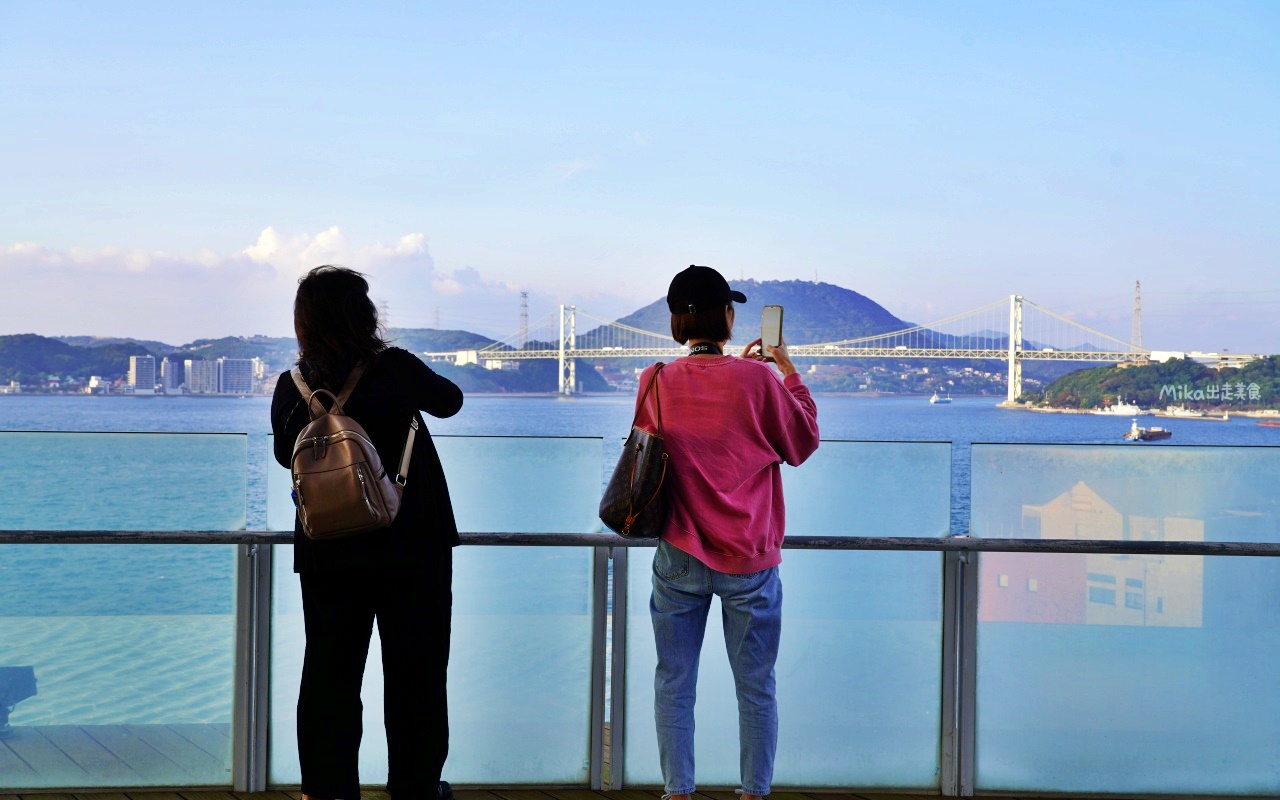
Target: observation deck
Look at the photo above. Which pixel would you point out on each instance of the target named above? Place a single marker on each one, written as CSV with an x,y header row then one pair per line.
x,y
1106,625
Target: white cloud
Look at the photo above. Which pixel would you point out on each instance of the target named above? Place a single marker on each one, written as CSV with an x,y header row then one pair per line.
x,y
564,171
176,297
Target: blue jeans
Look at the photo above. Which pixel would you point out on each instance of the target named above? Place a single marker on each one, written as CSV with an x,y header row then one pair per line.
x,y
751,607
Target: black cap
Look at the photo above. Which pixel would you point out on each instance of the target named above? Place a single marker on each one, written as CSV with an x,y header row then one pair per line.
x,y
698,289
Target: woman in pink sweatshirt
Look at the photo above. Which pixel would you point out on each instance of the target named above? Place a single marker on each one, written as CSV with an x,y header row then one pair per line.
x,y
727,424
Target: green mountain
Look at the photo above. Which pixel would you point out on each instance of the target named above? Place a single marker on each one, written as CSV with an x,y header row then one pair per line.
x,y
1174,382
814,312
430,340
27,358
100,341
276,351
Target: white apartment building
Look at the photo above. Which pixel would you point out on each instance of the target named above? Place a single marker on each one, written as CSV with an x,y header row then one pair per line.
x,y
201,376
142,374
172,375
235,375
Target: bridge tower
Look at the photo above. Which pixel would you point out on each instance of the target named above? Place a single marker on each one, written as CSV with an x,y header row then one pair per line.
x,y
567,346
524,319
1135,333
1015,347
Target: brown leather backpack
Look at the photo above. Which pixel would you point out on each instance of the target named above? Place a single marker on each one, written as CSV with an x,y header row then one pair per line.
x,y
340,487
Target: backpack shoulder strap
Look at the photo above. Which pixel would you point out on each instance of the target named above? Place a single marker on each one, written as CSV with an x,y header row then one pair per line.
x,y
350,385
301,383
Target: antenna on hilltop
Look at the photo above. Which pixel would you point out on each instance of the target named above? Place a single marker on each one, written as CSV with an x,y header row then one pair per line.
x,y
524,318
437,325
1135,334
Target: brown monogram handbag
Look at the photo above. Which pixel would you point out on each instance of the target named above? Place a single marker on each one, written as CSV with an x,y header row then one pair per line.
x,y
635,500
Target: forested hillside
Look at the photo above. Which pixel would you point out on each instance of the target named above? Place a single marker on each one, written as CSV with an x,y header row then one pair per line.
x,y
1174,382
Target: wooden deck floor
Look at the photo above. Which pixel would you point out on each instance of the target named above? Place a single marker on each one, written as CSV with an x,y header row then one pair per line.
x,y
529,794
473,794
198,755
121,755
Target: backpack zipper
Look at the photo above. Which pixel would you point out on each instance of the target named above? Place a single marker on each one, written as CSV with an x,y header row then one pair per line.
x,y
364,492
321,442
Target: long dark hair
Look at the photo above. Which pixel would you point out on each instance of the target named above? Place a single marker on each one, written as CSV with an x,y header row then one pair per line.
x,y
336,324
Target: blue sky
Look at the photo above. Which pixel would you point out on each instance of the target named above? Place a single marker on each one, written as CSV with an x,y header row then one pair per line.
x,y
169,170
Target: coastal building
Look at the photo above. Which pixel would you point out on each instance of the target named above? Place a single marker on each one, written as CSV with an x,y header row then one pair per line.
x,y
172,375
235,375
142,374
201,376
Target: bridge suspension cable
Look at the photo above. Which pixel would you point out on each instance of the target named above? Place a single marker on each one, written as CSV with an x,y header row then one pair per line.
x,y
1012,329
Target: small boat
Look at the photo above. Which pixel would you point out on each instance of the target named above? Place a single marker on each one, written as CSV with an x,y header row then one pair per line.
x,y
1269,423
1121,409
936,399
1139,434
1182,412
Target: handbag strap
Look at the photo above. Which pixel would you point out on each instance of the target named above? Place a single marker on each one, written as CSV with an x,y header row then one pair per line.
x,y
657,400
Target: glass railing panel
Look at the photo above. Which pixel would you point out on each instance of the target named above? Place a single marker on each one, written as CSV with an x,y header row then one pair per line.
x,y
131,646
1129,674
520,661
859,671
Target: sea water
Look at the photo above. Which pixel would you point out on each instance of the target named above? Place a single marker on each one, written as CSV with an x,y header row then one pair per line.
x,y
154,622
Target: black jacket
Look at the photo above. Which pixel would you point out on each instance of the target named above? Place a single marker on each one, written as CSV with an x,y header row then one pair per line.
x,y
395,387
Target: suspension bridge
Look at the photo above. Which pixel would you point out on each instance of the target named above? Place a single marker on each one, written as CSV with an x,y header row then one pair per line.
x,y
1014,330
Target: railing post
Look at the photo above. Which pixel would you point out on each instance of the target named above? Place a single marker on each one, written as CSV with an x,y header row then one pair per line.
x,y
252,669
950,777
599,662
618,677
959,642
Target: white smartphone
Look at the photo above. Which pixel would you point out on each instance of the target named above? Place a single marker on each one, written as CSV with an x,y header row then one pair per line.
x,y
770,329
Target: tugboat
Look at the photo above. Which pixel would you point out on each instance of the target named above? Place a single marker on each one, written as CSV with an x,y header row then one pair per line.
x,y
1137,434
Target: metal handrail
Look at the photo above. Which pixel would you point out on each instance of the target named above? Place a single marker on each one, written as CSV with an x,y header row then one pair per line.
x,y
961,544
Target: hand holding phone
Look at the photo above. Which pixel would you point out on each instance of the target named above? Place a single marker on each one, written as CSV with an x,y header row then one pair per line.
x,y
770,328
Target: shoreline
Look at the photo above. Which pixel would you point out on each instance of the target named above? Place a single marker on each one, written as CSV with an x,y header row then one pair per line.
x,y
1211,414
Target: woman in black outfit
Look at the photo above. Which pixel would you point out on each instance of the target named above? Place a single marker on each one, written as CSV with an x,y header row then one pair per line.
x,y
400,576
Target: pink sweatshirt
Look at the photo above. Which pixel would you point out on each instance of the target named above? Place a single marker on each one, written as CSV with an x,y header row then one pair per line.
x,y
727,424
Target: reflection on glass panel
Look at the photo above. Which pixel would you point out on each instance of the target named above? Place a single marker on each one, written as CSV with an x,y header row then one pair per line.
x,y
870,489
859,672
118,659
1117,660
523,483
520,660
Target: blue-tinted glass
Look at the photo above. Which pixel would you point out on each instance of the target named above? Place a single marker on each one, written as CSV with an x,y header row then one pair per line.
x,y
859,670
131,646
520,661
1127,673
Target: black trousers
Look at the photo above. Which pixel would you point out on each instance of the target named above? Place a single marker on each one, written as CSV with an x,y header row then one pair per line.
x,y
412,606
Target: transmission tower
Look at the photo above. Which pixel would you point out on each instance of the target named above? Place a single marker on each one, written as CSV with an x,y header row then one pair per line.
x,y
1135,335
524,319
